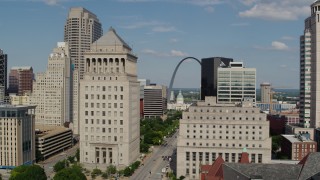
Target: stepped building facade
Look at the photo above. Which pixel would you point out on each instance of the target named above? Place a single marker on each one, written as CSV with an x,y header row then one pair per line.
x,y
51,89
109,104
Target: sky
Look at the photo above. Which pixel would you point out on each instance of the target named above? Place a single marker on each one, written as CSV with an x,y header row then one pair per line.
x,y
264,34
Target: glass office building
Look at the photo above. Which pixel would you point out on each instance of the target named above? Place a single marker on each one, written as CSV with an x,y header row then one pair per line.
x,y
236,82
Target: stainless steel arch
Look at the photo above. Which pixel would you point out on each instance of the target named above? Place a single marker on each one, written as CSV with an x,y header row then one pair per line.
x,y
174,75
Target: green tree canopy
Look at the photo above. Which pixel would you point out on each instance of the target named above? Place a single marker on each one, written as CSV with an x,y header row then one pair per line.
x,y
23,172
70,173
111,169
60,165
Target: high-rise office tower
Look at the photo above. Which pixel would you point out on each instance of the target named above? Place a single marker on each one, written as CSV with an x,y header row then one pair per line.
x,y
81,29
265,92
235,82
154,101
3,74
52,89
17,140
20,80
310,70
209,73
109,104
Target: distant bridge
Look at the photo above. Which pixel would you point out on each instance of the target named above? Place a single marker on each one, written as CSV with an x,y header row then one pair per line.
x,y
174,75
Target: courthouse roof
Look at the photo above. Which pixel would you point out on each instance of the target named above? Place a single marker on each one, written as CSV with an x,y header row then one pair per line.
x,y
311,166
111,38
267,171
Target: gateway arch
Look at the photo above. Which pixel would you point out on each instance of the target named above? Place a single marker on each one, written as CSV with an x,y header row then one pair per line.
x,y
174,75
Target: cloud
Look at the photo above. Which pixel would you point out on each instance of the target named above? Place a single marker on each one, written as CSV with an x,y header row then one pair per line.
x,y
133,1
288,38
240,24
209,9
284,10
172,53
283,66
173,40
142,24
248,2
154,26
164,29
176,53
276,45
52,2
203,2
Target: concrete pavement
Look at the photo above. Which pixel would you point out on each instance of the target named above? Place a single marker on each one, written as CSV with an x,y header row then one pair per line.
x,y
153,165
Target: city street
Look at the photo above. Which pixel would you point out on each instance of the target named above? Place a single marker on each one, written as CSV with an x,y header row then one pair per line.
x,y
49,163
153,165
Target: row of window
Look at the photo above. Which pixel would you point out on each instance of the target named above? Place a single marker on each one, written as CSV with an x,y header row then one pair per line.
x,y
226,118
220,132
103,113
221,126
104,88
103,105
211,156
103,138
103,97
225,110
103,130
223,145
103,121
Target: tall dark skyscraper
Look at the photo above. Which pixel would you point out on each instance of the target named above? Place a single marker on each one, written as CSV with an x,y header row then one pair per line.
x,y
3,71
209,73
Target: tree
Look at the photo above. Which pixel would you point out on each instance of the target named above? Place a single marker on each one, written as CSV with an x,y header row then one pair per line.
x,y
60,165
69,173
105,175
135,165
144,148
95,172
39,156
33,172
71,159
276,143
78,155
127,172
111,170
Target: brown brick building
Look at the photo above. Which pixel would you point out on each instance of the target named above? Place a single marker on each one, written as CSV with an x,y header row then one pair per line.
x,y
20,80
297,146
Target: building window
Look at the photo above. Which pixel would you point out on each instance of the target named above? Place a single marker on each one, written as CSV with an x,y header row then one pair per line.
x,y
187,156
259,158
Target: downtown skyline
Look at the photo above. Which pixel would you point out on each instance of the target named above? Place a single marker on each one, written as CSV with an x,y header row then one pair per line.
x,y
262,34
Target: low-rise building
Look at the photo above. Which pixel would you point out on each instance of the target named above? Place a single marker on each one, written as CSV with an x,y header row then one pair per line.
x,y
296,147
179,104
52,139
20,100
297,129
17,137
307,168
